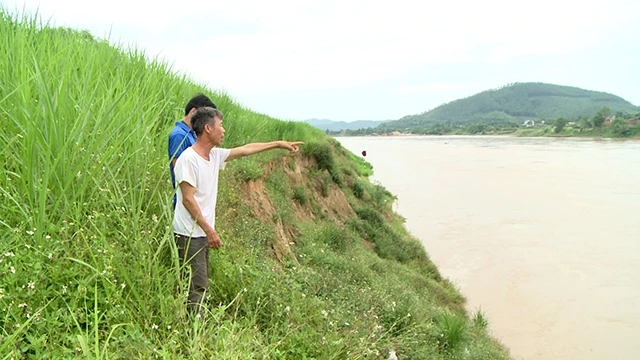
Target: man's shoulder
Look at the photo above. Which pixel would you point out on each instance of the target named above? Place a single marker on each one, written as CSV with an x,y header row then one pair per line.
x,y
219,156
186,156
219,150
220,153
178,130
187,153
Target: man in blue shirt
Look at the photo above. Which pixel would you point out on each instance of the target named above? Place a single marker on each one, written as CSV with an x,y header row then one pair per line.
x,y
182,135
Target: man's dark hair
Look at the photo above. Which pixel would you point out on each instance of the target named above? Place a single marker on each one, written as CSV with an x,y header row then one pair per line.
x,y
203,116
198,101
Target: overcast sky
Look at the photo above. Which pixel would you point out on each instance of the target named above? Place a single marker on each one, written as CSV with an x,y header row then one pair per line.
x,y
366,59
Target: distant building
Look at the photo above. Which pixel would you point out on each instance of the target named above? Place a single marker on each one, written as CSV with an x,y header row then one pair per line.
x,y
633,121
529,123
609,120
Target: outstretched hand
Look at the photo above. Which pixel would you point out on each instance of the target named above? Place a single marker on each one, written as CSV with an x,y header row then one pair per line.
x,y
292,146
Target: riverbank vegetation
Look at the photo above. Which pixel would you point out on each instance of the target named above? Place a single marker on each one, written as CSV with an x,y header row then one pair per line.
x,y
315,263
529,109
601,124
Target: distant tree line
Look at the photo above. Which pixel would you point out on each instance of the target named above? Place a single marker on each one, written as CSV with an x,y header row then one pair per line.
x,y
602,122
507,107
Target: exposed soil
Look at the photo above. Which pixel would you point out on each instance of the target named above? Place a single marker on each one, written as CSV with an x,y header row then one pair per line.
x,y
334,206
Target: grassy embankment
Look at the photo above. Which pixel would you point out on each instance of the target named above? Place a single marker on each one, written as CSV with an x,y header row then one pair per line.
x,y
315,263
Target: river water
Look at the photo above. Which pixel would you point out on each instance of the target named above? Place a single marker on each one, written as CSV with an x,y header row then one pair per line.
x,y
542,234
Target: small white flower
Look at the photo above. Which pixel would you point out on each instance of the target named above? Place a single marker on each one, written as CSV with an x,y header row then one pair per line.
x,y
64,289
9,254
168,327
287,309
16,325
79,174
324,313
123,285
29,232
31,285
12,269
22,305
47,237
154,327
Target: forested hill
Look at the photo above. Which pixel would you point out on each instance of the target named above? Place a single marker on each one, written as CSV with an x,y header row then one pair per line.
x,y
516,103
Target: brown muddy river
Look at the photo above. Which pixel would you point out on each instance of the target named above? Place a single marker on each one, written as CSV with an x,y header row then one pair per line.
x,y
542,234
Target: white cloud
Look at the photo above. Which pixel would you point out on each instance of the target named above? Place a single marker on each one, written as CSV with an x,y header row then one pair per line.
x,y
251,48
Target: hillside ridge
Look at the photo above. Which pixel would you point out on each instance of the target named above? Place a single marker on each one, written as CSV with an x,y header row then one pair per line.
x,y
515,103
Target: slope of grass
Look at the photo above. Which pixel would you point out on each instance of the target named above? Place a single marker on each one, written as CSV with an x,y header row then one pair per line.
x,y
88,267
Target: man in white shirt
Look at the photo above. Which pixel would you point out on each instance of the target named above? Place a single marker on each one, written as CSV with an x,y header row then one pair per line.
x,y
196,172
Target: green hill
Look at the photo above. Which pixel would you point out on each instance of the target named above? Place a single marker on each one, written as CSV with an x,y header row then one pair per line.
x,y
516,103
315,263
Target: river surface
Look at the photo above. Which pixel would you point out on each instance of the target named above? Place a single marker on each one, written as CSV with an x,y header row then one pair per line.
x,y
542,234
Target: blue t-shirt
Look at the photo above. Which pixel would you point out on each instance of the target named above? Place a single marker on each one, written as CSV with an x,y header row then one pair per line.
x,y
180,138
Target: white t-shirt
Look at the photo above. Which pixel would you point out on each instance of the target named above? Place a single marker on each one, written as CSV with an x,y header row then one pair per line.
x,y
203,175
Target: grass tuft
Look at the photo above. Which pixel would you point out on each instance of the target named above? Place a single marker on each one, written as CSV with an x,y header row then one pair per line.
x,y
300,195
480,320
451,330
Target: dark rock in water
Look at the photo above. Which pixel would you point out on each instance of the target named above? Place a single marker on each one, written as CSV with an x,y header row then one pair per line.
x,y
364,152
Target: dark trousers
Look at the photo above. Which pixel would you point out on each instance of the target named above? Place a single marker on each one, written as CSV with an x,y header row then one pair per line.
x,y
194,252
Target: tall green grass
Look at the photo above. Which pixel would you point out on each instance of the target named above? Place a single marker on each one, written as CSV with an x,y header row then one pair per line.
x,y
88,267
